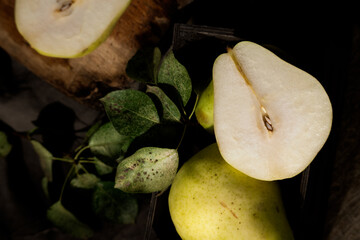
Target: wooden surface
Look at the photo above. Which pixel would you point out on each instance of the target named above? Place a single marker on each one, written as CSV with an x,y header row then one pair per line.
x,y
89,77
343,214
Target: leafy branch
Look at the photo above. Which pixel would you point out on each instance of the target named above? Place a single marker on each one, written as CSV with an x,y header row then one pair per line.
x,y
137,147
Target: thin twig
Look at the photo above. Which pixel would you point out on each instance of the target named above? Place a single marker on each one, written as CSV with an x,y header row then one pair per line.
x,y
76,171
150,217
182,137
62,159
80,151
83,168
65,181
87,161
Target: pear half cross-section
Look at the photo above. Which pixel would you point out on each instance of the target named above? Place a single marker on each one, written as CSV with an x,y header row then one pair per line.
x,y
270,118
67,28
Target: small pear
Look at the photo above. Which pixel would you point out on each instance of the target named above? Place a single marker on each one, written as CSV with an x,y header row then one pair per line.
x,y
209,199
204,111
270,118
67,28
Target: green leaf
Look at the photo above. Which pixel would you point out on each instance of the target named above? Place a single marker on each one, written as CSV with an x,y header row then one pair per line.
x,y
5,146
170,110
102,168
112,204
149,169
67,222
173,73
143,66
108,145
45,158
131,112
86,180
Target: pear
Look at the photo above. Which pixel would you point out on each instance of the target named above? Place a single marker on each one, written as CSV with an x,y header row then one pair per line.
x,y
67,28
209,199
204,110
270,118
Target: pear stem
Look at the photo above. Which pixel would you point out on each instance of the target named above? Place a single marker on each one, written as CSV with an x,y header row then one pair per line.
x,y
194,108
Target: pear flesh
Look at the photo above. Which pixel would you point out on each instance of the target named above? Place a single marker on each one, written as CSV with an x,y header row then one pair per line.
x,y
209,199
67,28
270,118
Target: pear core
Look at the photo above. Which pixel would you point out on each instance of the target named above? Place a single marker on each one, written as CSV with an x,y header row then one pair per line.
x,y
67,28
209,199
270,118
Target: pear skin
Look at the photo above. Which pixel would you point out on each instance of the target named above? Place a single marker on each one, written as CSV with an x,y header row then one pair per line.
x,y
204,111
209,199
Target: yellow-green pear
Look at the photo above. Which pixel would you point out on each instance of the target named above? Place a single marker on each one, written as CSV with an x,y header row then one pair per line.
x,y
67,28
209,199
204,111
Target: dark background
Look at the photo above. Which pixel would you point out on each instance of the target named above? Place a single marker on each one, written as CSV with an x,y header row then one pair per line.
x,y
320,40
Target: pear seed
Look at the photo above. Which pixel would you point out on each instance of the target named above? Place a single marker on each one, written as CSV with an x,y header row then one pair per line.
x,y
267,123
65,7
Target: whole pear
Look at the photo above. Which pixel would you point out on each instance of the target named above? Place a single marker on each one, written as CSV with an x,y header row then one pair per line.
x,y
209,199
204,111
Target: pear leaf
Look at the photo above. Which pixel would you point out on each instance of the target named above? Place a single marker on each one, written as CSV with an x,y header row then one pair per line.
x,y
143,66
149,169
45,157
102,168
170,110
86,180
67,222
108,145
131,112
173,73
113,204
5,146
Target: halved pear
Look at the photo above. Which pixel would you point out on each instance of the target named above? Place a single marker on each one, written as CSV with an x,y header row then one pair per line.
x,y
67,28
270,118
